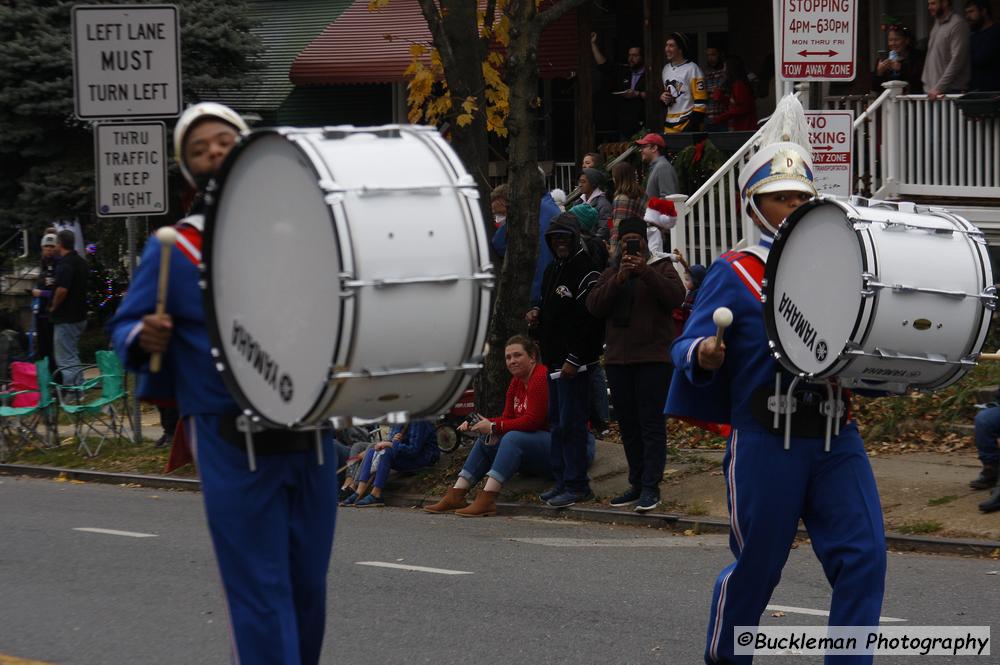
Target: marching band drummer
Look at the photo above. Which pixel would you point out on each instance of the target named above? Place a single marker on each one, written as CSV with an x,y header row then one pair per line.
x,y
768,487
272,527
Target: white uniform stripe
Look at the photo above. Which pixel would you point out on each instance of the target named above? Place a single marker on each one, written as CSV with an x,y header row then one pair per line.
x,y
692,348
132,334
750,279
191,249
114,532
734,521
713,648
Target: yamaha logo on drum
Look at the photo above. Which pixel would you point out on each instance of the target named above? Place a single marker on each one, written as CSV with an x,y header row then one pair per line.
x,y
821,351
797,320
246,346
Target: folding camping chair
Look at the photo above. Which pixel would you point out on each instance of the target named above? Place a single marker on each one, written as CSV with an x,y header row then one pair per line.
x,y
103,416
21,423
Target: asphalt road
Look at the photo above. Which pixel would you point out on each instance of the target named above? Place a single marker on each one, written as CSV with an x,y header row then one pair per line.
x,y
538,591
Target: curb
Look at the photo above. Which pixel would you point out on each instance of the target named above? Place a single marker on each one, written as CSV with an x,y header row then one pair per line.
x,y
895,541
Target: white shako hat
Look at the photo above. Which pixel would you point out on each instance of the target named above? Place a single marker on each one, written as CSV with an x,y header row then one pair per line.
x,y
198,112
782,162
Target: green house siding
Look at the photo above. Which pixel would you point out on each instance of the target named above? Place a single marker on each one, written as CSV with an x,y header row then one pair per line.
x,y
316,106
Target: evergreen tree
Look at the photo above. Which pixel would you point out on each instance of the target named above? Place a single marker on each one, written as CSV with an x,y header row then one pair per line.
x,y
46,154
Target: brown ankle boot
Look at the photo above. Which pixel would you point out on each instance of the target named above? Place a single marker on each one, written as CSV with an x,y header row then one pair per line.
x,y
484,505
453,499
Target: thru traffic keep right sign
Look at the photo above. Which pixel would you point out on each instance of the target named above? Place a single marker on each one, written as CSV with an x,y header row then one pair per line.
x,y
819,40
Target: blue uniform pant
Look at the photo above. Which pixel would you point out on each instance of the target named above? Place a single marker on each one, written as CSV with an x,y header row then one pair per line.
x,y
568,428
273,532
638,392
769,489
987,424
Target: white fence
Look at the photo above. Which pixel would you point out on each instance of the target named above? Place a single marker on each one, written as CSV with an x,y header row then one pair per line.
x,y
905,146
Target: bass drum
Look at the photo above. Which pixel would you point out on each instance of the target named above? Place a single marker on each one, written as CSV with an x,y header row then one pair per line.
x,y
346,274
877,295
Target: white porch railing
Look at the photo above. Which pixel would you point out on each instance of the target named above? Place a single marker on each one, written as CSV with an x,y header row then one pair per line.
x,y
905,145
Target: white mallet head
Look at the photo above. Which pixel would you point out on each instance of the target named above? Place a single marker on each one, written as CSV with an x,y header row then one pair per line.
x,y
723,317
167,235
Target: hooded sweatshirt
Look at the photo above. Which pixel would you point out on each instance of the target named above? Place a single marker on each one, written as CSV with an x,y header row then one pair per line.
x,y
567,330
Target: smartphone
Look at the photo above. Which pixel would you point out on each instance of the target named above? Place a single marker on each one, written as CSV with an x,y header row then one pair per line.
x,y
883,55
631,246
472,418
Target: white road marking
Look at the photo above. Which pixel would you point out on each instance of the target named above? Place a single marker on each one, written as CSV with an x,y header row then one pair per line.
x,y
669,541
419,569
113,532
818,613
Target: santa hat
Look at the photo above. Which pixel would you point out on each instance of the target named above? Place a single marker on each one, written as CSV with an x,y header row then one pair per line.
x,y
661,213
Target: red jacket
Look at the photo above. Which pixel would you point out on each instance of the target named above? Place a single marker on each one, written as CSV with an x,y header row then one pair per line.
x,y
742,112
527,407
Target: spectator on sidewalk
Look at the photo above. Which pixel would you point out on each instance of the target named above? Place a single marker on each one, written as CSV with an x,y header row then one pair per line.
x,y
629,201
498,204
987,430
984,46
410,447
69,308
547,212
517,441
358,441
42,294
683,88
946,69
591,181
571,341
903,61
635,297
592,160
661,179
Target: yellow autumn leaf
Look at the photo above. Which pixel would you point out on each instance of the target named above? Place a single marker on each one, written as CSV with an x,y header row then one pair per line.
x,y
469,105
417,50
375,5
464,119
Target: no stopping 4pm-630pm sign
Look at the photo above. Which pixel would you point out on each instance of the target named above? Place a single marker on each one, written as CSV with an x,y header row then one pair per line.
x,y
131,169
819,40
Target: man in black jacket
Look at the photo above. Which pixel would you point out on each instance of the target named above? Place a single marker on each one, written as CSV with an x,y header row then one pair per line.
x,y
571,342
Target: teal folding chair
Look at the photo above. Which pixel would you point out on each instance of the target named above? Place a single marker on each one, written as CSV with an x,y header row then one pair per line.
x,y
20,424
105,415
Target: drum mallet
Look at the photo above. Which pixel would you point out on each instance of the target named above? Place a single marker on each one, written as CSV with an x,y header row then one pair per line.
x,y
167,237
990,356
723,318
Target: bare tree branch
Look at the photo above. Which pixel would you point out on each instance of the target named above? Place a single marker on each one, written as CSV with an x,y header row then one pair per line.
x,y
546,17
433,17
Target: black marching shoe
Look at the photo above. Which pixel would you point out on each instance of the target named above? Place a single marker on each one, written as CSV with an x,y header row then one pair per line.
x,y
987,477
991,504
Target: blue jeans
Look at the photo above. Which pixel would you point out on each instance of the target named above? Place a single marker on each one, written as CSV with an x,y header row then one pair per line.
x,y
65,339
987,425
568,426
384,467
527,452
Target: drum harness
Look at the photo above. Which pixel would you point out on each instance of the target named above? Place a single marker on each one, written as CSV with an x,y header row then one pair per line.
x,y
780,403
250,425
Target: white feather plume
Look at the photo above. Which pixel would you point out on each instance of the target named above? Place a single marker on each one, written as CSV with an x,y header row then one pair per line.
x,y
787,123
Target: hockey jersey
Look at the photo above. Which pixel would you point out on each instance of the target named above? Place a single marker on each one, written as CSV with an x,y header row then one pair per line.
x,y
686,83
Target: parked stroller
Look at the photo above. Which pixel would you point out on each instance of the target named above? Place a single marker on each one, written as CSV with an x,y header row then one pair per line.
x,y
448,436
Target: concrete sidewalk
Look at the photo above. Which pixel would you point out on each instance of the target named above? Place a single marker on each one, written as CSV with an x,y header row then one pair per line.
x,y
923,493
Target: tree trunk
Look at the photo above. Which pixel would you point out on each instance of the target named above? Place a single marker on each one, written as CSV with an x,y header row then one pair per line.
x,y
462,58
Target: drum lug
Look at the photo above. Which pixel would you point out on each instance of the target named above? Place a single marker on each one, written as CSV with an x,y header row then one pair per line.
x,y
780,404
989,297
397,417
341,422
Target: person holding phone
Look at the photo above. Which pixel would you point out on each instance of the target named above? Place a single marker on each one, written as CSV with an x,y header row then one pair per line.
x,y
636,296
518,440
902,62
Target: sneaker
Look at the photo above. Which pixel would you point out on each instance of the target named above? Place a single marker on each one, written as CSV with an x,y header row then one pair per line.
x,y
630,496
350,500
567,499
369,501
647,502
987,478
163,441
552,493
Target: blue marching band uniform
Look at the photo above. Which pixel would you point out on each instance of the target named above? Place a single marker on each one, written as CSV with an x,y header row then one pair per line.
x,y
769,488
272,528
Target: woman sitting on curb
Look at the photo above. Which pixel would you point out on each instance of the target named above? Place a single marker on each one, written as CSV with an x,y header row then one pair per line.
x,y
516,441
410,447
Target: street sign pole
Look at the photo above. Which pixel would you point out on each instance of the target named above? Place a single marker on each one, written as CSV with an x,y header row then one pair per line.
x,y
130,225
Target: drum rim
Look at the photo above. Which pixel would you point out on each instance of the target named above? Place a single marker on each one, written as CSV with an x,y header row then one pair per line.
x,y
219,356
778,351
